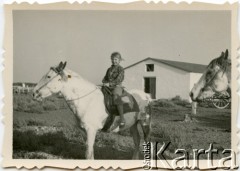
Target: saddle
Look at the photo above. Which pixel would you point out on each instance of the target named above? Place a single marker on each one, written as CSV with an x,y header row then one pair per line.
x,y
129,105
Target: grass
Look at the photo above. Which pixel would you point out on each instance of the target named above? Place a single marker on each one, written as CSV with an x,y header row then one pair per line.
x,y
55,133
25,103
213,126
52,142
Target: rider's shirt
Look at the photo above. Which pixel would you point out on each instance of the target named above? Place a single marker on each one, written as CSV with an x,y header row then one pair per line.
x,y
114,76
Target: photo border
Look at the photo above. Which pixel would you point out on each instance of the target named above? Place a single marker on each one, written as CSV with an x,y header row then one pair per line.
x,y
84,164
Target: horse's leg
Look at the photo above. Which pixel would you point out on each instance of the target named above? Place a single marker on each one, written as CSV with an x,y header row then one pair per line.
x,y
91,135
136,138
146,132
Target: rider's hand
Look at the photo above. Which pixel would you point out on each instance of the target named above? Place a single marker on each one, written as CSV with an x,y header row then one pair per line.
x,y
106,84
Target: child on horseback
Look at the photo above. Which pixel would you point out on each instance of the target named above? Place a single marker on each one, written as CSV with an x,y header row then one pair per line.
x,y
114,77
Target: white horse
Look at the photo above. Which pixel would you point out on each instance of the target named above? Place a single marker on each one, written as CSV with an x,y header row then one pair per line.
x,y
216,79
87,102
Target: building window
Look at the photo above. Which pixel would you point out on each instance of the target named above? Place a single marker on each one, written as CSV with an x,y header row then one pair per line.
x,y
149,67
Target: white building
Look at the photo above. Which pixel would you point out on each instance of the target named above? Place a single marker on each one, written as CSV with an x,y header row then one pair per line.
x,y
163,78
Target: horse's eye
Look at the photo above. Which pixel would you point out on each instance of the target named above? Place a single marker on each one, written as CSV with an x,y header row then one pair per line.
x,y
48,76
208,73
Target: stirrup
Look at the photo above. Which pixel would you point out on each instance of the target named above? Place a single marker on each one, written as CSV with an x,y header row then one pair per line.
x,y
122,124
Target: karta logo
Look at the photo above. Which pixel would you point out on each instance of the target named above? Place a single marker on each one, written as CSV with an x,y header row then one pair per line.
x,y
155,157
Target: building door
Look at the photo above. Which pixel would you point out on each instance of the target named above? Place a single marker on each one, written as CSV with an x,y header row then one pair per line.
x,y
150,86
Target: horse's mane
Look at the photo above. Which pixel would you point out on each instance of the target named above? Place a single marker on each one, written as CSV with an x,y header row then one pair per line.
x,y
225,64
72,73
67,72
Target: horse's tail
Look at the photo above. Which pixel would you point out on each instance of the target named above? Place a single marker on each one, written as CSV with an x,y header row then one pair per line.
x,y
144,118
145,114
146,123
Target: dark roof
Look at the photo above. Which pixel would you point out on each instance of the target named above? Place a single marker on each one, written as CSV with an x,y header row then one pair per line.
x,y
189,67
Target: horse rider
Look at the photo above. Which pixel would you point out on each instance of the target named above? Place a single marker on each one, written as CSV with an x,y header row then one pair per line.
x,y
114,78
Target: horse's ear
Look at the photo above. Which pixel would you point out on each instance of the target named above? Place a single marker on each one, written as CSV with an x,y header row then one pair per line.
x,y
226,54
59,67
64,65
60,64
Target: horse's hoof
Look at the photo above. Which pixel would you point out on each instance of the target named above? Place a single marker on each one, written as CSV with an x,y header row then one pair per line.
x,y
116,130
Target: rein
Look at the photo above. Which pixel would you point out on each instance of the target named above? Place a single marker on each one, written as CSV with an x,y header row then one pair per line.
x,y
83,95
46,83
208,83
58,73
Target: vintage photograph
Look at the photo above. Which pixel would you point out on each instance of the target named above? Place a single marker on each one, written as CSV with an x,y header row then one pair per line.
x,y
99,84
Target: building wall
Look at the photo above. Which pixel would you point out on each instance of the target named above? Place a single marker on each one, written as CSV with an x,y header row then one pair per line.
x,y
170,81
194,77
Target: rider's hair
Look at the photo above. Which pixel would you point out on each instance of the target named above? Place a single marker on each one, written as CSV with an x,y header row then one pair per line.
x,y
116,54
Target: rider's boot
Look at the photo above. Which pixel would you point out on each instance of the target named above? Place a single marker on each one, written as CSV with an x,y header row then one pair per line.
x,y
120,111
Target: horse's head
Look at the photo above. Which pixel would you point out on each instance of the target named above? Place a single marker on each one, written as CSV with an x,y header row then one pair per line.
x,y
51,82
214,79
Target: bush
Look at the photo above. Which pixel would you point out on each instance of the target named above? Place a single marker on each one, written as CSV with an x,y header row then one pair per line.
x,y
25,103
33,155
25,141
54,143
50,106
18,124
180,102
176,98
163,103
36,109
32,122
22,106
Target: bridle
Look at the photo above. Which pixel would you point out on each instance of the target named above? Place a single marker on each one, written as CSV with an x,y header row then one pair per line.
x,y
60,73
57,73
208,84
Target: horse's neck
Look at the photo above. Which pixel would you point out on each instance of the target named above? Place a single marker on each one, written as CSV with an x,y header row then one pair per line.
x,y
76,88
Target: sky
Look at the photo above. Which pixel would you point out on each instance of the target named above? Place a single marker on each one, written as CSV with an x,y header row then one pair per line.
x,y
86,39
